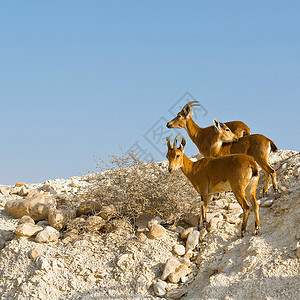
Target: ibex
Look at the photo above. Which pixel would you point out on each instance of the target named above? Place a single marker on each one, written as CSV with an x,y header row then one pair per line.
x,y
211,141
202,137
210,175
256,145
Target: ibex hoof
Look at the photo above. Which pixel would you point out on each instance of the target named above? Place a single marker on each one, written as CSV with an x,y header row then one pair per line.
x,y
205,225
243,231
256,230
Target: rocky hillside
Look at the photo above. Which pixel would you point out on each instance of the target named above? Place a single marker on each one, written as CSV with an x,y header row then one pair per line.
x,y
149,259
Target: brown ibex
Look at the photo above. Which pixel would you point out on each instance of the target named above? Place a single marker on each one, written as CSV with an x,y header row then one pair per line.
x,y
210,175
219,140
202,137
256,145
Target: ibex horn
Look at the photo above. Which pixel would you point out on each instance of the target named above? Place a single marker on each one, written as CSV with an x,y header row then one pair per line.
x,y
168,142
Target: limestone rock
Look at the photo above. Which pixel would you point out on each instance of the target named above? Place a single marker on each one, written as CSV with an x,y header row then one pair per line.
x,y
180,230
70,236
26,219
23,192
32,193
4,191
154,221
189,254
37,207
186,233
95,223
27,229
179,249
203,233
20,184
107,212
142,237
192,240
88,207
171,265
157,231
58,218
160,287
180,272
49,234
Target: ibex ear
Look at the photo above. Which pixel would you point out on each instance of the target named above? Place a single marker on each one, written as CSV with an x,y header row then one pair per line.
x,y
186,111
217,125
182,144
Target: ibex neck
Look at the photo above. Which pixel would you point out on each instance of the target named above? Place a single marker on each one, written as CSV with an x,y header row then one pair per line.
x,y
187,166
192,129
216,145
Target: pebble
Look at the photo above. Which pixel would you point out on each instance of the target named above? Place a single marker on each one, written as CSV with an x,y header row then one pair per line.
x,y
192,240
186,233
157,231
171,265
179,249
160,287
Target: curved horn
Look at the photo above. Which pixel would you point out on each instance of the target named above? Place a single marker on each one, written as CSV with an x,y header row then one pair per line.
x,y
168,142
191,103
175,141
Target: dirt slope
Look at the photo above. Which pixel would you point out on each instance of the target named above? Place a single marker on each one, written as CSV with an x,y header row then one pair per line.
x,y
117,264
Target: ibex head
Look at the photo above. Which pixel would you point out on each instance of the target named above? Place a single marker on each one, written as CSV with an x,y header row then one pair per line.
x,y
180,120
175,155
225,134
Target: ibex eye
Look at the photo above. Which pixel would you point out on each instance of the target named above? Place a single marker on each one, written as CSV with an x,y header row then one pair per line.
x,y
177,155
227,129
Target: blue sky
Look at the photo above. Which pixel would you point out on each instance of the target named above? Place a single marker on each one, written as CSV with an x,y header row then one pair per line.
x,y
81,77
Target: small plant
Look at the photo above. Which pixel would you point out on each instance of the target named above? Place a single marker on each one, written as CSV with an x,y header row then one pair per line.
x,y
136,188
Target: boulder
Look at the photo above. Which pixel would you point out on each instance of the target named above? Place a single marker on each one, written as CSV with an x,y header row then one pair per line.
x,y
27,229
88,207
37,207
26,219
59,218
49,234
20,184
107,212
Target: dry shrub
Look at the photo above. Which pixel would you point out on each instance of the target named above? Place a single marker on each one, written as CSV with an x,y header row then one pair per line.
x,y
135,188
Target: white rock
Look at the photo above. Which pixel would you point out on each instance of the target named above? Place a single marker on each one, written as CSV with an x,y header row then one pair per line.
x,y
185,234
160,287
179,249
49,234
155,221
27,229
171,265
157,231
192,240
